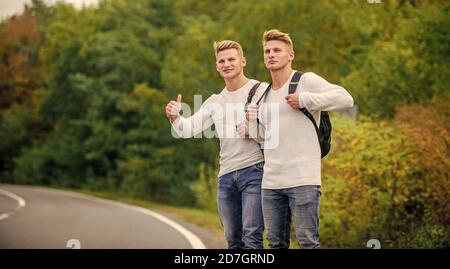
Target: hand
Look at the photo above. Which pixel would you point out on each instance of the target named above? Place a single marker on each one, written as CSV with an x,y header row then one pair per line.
x,y
252,112
173,109
242,130
293,100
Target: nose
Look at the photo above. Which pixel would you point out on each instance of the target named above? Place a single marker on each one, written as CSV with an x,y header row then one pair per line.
x,y
226,63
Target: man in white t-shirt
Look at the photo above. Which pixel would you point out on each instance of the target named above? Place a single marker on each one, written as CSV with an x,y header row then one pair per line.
x,y
241,160
292,172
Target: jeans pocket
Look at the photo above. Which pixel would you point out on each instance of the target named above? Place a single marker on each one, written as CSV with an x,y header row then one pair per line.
x,y
305,195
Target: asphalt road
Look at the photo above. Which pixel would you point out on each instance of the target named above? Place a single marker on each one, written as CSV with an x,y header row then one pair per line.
x,y
36,218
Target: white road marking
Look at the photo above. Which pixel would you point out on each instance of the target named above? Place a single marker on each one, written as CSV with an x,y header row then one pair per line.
x,y
20,203
195,242
4,216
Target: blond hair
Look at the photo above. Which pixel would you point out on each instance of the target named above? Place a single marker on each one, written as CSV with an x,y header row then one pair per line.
x,y
227,44
276,34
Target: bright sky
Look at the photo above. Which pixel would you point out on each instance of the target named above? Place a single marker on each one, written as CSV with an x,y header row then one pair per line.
x,y
11,7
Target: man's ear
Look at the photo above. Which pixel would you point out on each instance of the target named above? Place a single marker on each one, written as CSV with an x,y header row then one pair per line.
x,y
244,61
291,56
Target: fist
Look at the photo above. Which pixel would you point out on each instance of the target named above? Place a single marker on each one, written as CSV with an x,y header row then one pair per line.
x,y
293,100
242,130
252,112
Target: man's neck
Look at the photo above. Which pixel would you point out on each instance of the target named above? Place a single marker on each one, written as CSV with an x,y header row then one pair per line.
x,y
279,77
236,83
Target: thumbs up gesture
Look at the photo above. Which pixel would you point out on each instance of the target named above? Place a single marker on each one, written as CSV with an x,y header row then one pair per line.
x,y
173,109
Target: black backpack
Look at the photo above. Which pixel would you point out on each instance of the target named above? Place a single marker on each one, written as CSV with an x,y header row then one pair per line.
x,y
324,129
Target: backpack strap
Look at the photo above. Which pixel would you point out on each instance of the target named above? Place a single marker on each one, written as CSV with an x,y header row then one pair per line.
x,y
294,82
251,93
293,88
264,93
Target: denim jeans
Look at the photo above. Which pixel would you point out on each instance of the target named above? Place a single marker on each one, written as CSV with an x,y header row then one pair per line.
x,y
240,210
280,205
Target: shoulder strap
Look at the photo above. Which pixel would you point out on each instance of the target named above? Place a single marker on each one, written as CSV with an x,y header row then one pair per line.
x,y
294,82
264,93
252,92
293,88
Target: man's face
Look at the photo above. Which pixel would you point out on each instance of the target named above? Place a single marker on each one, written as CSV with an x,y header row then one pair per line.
x,y
277,55
229,64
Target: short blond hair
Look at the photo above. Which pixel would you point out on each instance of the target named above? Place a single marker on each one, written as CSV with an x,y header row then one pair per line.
x,y
276,34
228,44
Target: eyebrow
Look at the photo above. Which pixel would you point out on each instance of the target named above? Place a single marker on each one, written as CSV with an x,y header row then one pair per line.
x,y
228,58
269,49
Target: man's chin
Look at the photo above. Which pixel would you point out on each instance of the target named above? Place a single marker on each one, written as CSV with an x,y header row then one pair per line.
x,y
274,68
229,75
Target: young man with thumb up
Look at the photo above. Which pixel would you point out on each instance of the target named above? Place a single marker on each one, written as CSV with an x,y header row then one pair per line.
x,y
241,160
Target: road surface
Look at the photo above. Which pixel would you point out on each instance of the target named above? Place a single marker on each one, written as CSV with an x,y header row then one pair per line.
x,y
35,217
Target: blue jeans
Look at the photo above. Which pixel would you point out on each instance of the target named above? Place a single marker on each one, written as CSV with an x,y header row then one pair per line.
x,y
240,210
280,205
